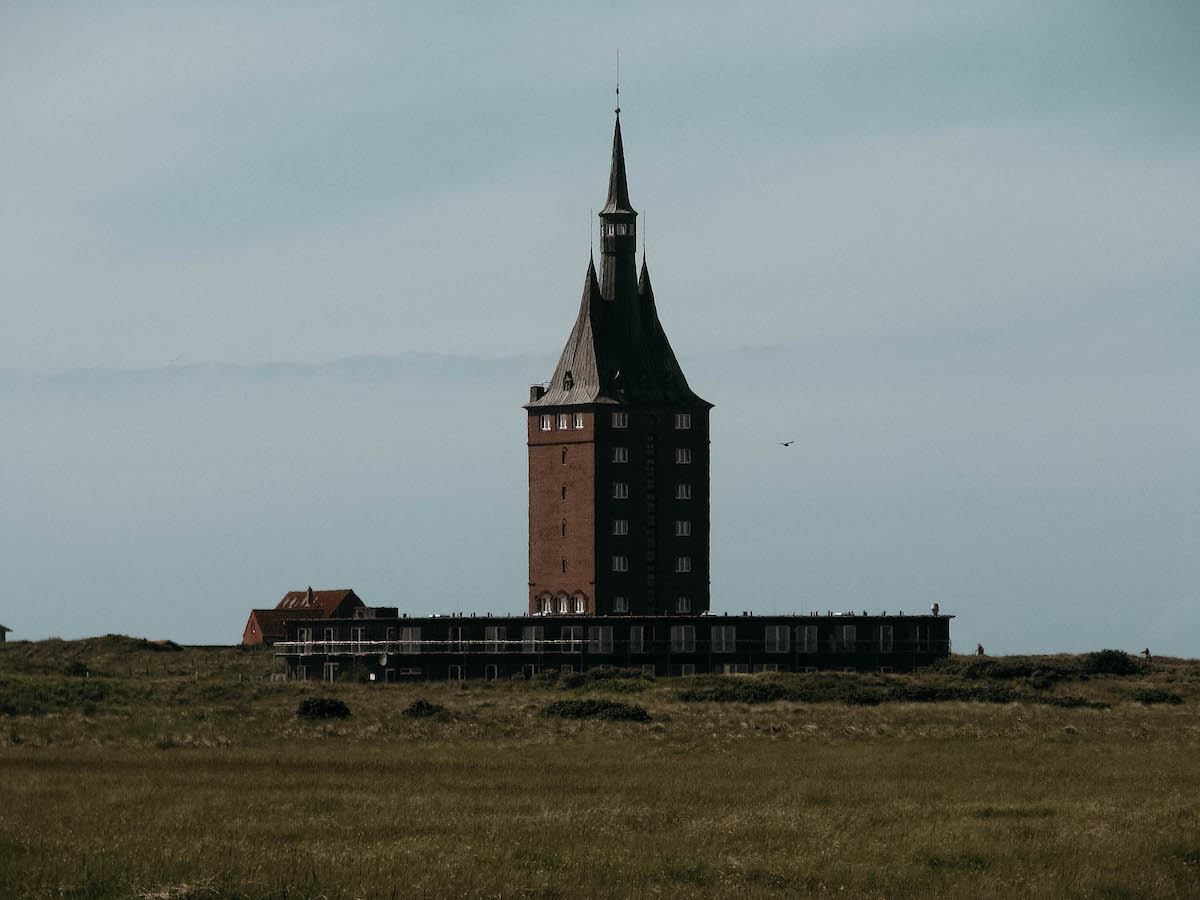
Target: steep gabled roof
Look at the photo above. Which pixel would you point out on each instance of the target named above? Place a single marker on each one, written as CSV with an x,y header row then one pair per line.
x,y
326,602
270,622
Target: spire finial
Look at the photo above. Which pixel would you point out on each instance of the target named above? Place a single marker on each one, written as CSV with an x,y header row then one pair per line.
x,y
618,109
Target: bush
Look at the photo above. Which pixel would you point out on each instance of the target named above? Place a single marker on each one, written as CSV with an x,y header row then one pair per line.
x,y
322,708
423,709
1111,662
1156,695
610,710
77,669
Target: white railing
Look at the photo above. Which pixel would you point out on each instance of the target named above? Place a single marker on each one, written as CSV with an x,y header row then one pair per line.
x,y
402,648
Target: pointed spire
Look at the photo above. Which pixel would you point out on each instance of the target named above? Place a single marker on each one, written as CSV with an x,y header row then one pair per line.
x,y
618,189
591,281
644,288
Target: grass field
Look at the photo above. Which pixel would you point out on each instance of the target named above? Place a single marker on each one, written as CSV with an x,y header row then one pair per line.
x,y
186,773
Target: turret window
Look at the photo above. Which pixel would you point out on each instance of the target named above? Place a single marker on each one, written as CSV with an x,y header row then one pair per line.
x,y
620,604
622,229
620,526
683,491
620,454
620,563
683,421
620,420
683,527
683,604
621,490
683,455
547,423
578,421
682,564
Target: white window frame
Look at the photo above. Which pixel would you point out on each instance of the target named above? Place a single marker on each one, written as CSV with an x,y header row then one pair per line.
x,y
564,605
564,421
579,421
683,456
683,604
778,639
329,672
683,528
532,638
683,491
494,637
637,639
410,639
571,638
724,639
547,422
620,563
620,454
491,672
806,639
580,604
620,490
887,639
455,673
620,526
600,639
683,564
620,420
683,638
620,604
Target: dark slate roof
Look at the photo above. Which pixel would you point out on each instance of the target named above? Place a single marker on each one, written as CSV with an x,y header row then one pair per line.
x,y
617,351
618,188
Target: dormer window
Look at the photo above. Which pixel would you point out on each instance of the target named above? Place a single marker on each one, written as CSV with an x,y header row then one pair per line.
x,y
568,381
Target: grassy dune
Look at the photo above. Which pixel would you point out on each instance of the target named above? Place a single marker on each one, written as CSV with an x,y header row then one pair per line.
x,y
180,773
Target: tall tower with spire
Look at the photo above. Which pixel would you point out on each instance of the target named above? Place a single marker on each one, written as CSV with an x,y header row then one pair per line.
x,y
618,449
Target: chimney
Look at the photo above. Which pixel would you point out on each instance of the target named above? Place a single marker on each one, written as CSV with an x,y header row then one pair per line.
x,y
309,600
536,392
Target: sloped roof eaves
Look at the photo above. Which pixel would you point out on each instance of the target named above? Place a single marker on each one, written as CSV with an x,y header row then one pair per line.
x,y
325,601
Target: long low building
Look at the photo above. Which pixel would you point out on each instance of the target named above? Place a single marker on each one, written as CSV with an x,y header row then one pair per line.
x,y
377,644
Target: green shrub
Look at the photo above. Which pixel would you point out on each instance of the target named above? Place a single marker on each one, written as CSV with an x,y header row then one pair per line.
x,y
1111,662
1156,695
322,708
611,710
423,709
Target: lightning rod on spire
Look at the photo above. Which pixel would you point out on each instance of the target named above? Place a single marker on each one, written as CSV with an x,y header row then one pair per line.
x,y
618,109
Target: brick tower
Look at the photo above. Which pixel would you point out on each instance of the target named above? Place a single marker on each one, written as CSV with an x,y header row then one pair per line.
x,y
618,449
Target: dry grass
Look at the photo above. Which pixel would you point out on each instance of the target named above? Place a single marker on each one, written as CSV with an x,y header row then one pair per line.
x,y
187,784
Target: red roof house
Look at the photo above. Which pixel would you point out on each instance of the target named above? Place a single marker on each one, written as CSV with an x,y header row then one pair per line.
x,y
265,626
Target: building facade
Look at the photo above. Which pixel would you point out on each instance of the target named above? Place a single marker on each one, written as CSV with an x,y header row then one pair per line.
x,y
618,449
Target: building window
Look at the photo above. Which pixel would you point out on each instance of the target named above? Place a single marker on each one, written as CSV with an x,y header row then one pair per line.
x,y
687,669
621,229
620,526
457,638
637,639
683,455
330,671
885,639
564,456
849,637
683,527
454,673
724,639
683,421
620,563
683,491
683,604
564,421
621,490
410,640
580,603
735,669
778,639
568,380
491,672
620,454
620,604
564,564
578,421
571,638
683,564
766,667
327,634
532,637
547,422
600,639
806,639
620,420
494,638
564,492
564,604
683,638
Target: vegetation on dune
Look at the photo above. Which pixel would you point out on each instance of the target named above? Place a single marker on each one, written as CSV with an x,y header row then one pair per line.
x,y
609,710
322,708
188,773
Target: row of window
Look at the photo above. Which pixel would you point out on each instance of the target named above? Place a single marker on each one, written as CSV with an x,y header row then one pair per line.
x,y
620,490
569,421
683,527
722,638
610,229
493,671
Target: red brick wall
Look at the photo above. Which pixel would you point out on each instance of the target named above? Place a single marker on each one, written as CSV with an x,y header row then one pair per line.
x,y
548,474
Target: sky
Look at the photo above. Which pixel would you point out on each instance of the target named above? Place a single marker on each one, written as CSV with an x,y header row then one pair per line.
x,y
275,278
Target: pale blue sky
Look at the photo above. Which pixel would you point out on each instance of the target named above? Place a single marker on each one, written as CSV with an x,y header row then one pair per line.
x,y
274,280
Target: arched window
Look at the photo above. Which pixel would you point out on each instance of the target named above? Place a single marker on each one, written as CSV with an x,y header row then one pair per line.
x,y
579,603
563,606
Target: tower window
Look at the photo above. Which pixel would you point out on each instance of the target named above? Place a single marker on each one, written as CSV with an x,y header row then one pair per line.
x,y
683,421
620,420
683,455
564,528
620,526
564,604
621,490
547,423
578,421
579,603
683,604
564,564
683,527
564,492
683,491
564,456
564,421
621,229
568,381
682,564
620,563
620,604
620,454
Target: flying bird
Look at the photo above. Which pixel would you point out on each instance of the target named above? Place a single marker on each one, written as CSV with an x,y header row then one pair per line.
x,y
787,443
